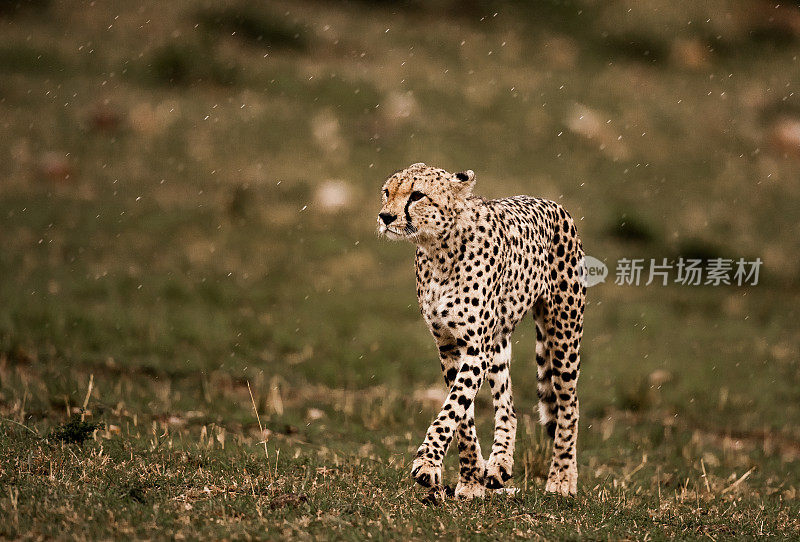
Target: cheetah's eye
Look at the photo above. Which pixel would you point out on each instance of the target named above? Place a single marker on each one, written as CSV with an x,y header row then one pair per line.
x,y
416,195
385,193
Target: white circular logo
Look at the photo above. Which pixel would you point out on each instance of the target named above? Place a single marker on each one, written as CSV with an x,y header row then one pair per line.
x,y
592,271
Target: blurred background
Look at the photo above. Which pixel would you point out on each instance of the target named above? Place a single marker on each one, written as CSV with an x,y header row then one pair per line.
x,y
188,194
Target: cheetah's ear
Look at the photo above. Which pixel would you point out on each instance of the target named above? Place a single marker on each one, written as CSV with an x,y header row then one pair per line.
x,y
463,182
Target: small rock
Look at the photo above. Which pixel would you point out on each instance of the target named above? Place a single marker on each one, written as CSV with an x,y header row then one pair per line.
x,y
153,119
105,118
333,196
585,121
400,106
659,377
589,124
435,395
326,129
56,167
176,420
690,53
561,51
785,135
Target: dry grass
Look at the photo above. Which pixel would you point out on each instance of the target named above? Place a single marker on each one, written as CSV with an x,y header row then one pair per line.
x,y
187,224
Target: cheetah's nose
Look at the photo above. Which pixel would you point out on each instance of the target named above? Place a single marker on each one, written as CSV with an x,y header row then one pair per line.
x,y
387,218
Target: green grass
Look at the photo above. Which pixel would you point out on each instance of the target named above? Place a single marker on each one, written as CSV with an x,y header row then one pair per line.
x,y
157,268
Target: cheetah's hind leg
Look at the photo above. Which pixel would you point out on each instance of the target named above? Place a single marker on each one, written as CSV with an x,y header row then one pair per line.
x,y
562,344
548,410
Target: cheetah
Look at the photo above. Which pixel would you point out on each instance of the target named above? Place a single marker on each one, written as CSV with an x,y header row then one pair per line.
x,y
481,266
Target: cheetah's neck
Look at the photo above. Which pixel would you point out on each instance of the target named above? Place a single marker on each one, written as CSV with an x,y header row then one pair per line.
x,y
443,251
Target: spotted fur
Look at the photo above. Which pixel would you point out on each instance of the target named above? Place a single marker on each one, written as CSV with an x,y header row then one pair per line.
x,y
481,266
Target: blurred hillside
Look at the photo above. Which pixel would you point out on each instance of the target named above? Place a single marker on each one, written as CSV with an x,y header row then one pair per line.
x,y
685,113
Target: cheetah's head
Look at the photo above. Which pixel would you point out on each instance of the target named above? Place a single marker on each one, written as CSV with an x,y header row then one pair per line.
x,y
421,203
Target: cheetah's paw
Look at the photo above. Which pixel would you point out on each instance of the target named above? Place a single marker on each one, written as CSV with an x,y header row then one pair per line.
x,y
564,483
498,471
470,490
426,473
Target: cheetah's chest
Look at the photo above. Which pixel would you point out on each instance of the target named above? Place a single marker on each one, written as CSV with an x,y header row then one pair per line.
x,y
437,302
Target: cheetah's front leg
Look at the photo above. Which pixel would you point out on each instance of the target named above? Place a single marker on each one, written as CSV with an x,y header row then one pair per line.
x,y
471,465
501,461
427,467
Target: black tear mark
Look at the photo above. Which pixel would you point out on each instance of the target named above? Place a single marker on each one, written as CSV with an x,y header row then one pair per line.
x,y
408,216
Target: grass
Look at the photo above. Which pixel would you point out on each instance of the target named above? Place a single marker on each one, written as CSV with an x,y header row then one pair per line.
x,y
159,266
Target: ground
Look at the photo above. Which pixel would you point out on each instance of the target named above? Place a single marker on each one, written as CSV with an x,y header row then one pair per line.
x,y
187,209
